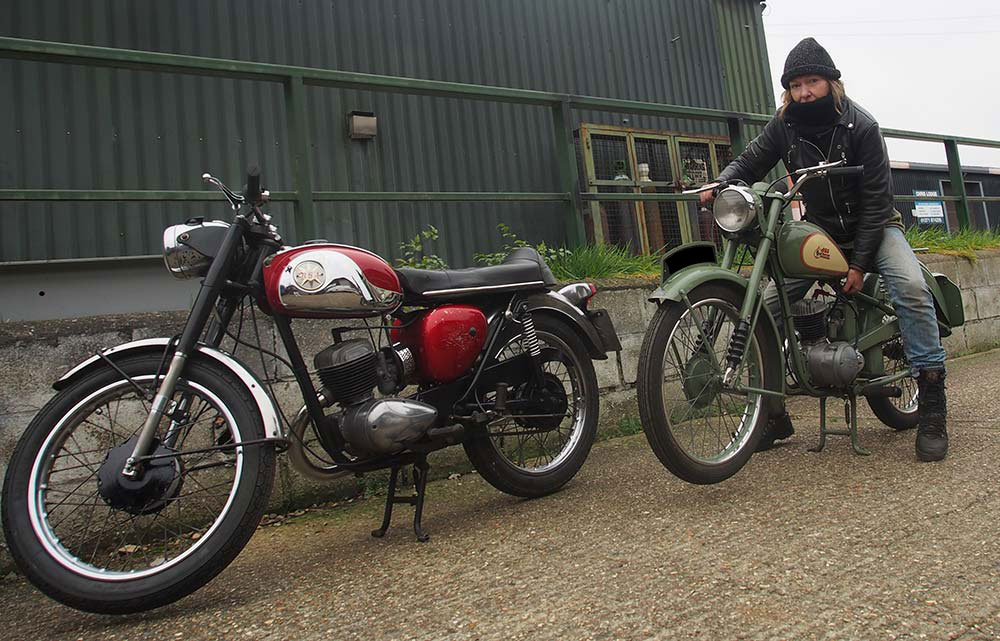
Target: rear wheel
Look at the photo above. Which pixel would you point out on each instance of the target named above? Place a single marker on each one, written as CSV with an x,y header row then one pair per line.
x,y
898,413
535,452
700,430
92,539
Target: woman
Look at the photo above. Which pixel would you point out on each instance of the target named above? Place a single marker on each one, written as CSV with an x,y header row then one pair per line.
x,y
816,123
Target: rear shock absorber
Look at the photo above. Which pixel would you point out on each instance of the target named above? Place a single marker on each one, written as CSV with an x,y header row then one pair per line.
x,y
530,338
734,354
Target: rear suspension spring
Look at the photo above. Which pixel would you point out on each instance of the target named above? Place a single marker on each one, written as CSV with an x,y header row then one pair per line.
x,y
530,338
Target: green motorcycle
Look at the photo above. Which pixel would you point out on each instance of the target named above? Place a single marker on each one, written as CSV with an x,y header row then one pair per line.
x,y
714,364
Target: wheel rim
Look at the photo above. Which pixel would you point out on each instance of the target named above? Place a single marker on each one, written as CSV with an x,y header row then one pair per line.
x,y
895,362
522,442
708,423
89,538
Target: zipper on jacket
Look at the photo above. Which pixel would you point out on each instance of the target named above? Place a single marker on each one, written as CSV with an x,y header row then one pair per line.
x,y
829,184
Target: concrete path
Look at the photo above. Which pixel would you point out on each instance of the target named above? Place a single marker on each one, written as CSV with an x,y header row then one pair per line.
x,y
797,546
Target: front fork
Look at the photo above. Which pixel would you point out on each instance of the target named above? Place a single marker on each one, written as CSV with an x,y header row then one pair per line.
x,y
208,295
749,312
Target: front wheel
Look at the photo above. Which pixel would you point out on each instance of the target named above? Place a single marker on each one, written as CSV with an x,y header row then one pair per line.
x,y
535,451
701,430
95,541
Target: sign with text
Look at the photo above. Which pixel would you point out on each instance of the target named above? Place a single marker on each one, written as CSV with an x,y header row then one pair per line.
x,y
928,212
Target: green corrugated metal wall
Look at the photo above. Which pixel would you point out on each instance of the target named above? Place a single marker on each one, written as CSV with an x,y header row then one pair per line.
x,y
70,127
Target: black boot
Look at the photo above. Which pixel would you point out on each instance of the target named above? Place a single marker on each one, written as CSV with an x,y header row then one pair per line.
x,y
932,433
778,427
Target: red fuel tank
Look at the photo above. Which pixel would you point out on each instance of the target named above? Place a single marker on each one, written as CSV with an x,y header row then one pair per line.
x,y
330,281
445,341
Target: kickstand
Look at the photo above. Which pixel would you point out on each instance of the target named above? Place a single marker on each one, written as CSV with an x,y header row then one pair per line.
x,y
850,417
420,470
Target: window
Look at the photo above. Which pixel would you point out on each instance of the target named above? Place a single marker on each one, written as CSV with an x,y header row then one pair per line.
x,y
621,160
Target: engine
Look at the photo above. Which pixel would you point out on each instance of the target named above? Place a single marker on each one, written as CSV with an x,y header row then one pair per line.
x,y
350,370
831,364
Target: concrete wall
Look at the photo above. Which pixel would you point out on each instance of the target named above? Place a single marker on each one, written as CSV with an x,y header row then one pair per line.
x,y
34,354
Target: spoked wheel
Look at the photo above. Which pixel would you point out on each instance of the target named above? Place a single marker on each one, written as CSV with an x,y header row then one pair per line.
x,y
545,439
701,430
98,541
898,413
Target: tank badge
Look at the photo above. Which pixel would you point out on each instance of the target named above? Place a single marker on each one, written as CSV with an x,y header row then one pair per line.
x,y
821,254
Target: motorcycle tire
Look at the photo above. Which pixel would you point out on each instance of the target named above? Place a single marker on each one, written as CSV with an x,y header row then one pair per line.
x,y
503,464
121,551
693,375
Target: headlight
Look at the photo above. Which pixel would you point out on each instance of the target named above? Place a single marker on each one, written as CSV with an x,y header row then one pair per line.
x,y
735,208
188,249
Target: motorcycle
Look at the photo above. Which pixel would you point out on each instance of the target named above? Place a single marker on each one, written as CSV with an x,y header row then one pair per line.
x,y
714,363
150,468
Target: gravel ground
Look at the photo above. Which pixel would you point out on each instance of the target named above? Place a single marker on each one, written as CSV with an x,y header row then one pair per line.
x,y
798,545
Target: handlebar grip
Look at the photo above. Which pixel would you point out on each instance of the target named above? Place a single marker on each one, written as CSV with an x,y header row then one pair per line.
x,y
252,193
857,170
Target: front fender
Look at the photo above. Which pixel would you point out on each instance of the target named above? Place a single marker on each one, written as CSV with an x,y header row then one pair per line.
x,y
681,282
265,404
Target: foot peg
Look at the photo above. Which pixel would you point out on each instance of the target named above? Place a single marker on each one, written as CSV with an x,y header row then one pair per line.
x,y
420,470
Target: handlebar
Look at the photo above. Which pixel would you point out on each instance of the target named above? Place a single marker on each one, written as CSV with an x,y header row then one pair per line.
x,y
857,170
252,193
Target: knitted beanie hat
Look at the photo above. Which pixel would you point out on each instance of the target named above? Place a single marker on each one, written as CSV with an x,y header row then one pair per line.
x,y
808,57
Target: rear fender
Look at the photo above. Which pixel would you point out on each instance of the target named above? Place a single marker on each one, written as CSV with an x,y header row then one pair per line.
x,y
559,306
946,294
265,404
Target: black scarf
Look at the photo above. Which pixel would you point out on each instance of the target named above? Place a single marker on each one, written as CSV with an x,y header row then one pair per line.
x,y
813,119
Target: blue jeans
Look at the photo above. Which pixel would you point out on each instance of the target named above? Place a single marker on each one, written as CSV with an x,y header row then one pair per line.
x,y
909,293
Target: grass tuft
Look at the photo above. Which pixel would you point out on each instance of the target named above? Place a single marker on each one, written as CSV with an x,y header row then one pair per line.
x,y
601,261
963,243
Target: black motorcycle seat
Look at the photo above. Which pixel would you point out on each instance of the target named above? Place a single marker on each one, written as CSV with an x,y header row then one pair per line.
x,y
523,269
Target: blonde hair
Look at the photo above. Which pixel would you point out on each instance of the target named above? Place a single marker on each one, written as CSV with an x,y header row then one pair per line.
x,y
836,90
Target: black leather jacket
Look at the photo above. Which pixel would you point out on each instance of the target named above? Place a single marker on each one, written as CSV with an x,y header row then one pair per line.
x,y
853,210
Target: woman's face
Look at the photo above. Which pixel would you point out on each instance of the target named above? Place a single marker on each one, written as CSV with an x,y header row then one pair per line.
x,y
808,88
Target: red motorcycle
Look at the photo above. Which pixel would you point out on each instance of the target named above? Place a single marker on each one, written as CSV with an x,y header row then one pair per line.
x,y
149,470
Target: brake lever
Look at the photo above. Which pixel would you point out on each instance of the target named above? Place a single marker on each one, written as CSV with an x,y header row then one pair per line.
x,y
234,199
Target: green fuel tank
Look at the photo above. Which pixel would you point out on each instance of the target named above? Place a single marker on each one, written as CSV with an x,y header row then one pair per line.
x,y
806,251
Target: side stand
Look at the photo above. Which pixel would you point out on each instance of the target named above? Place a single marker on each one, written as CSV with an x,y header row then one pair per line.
x,y
420,469
850,417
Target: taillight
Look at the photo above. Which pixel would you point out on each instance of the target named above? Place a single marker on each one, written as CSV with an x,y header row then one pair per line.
x,y
579,293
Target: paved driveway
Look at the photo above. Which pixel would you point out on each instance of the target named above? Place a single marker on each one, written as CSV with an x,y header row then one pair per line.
x,y
797,546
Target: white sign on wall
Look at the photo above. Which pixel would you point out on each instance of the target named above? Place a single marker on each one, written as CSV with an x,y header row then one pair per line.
x,y
928,212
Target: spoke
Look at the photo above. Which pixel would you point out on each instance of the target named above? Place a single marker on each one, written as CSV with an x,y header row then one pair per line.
x,y
73,491
99,449
100,537
74,467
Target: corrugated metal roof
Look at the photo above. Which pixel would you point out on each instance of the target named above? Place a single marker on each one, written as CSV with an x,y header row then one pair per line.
x,y
73,127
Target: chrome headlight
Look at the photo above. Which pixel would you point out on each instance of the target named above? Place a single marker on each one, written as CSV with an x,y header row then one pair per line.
x,y
188,249
735,208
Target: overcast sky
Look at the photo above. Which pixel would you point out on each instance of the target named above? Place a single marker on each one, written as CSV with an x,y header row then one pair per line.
x,y
919,65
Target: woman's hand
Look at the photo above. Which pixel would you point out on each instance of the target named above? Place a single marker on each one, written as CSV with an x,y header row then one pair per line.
x,y
855,279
